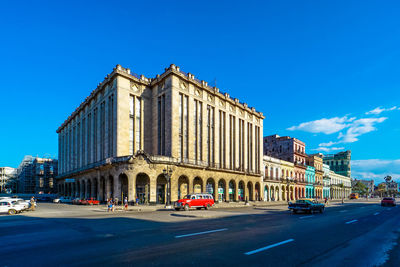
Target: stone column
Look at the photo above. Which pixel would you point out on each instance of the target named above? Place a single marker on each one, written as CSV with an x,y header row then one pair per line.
x,y
117,188
153,189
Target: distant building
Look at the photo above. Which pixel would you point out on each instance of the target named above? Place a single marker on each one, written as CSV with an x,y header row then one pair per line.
x,y
37,175
326,181
370,184
339,162
288,149
7,176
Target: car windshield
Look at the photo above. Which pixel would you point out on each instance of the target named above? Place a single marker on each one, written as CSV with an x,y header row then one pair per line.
x,y
187,197
387,198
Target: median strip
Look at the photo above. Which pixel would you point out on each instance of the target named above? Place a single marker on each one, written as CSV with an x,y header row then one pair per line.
x,y
202,233
353,221
268,247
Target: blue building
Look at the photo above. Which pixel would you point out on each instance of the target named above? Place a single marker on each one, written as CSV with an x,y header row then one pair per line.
x,y
310,180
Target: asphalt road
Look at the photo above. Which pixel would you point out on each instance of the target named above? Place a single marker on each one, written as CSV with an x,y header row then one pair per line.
x,y
356,234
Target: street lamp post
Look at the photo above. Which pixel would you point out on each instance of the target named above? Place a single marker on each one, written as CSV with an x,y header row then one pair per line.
x,y
167,174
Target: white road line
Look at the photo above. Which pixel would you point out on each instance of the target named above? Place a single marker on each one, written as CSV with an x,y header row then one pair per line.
x,y
202,233
305,217
376,213
268,247
353,221
342,210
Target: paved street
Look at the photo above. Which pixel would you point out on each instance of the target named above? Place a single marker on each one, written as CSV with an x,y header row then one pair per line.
x,y
355,234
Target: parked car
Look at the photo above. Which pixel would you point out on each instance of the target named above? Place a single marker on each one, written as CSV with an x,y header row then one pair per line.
x,y
76,201
354,196
388,201
7,206
25,204
44,199
62,200
198,201
92,201
306,205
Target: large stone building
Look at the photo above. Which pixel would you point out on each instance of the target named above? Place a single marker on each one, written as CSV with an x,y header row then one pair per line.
x,y
289,149
130,129
340,162
37,175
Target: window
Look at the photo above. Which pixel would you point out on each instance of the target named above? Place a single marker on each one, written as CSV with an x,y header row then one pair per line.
x,y
249,146
111,126
241,144
198,129
161,125
135,121
102,130
222,139
232,142
210,134
89,140
95,121
183,126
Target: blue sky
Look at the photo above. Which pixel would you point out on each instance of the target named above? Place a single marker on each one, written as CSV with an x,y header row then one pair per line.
x,y
325,72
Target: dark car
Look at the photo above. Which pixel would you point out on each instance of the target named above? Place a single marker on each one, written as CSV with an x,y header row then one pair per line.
x,y
44,199
306,205
388,201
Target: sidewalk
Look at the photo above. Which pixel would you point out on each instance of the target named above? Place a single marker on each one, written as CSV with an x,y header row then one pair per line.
x,y
224,205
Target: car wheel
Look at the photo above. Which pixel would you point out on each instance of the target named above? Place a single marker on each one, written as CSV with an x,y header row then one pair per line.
x,y
207,207
12,212
198,208
186,207
177,209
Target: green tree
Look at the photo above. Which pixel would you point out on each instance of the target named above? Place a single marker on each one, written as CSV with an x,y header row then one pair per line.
x,y
360,188
381,189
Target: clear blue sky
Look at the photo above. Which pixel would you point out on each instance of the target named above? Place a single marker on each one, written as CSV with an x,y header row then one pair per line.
x,y
314,68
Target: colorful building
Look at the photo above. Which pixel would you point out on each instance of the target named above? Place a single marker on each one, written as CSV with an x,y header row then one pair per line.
x,y
310,180
326,181
315,161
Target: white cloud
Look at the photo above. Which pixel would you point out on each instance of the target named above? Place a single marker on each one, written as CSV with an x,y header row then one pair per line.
x,y
326,126
375,169
379,110
358,128
328,149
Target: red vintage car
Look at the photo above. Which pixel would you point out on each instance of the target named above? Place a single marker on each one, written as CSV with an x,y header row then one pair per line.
x,y
198,201
92,201
388,201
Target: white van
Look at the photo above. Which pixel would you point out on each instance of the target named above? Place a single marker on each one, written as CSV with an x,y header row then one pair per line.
x,y
7,206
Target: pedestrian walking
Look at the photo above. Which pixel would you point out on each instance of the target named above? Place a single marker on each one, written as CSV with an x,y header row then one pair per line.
x,y
137,200
126,203
116,201
109,205
32,202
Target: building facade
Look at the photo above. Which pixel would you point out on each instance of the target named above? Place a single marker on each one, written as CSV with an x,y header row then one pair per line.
x,y
340,185
310,181
37,175
290,150
130,129
340,162
7,178
316,162
279,182
326,182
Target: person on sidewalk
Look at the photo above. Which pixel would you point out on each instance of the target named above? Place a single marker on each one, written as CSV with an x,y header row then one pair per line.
x,y
109,205
32,202
126,203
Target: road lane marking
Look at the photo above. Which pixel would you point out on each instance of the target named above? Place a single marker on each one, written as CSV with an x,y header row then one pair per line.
x,y
353,221
376,213
268,247
342,210
305,217
389,209
202,233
